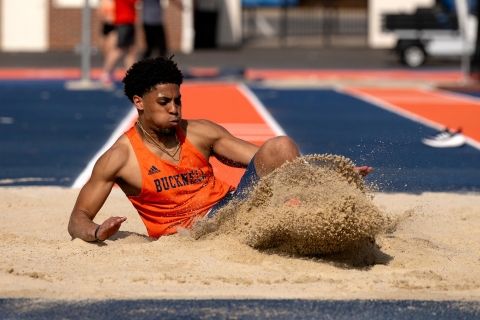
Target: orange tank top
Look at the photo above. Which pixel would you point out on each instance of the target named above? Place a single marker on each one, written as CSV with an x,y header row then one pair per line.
x,y
172,195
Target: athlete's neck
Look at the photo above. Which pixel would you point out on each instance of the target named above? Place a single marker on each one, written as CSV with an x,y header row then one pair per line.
x,y
163,140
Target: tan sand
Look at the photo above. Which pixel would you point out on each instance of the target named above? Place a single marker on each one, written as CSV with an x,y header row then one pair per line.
x,y
433,253
316,205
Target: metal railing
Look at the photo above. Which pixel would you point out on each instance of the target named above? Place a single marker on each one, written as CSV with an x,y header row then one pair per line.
x,y
323,22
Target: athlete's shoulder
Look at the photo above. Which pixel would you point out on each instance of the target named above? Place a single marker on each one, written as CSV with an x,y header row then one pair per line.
x,y
197,122
202,126
121,146
115,158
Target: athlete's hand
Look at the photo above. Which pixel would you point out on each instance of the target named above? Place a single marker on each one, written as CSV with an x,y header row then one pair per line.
x,y
364,170
109,227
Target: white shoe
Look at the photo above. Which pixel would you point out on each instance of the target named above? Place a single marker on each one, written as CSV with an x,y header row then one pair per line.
x,y
445,139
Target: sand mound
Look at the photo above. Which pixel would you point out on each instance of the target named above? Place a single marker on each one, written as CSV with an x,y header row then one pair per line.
x,y
315,205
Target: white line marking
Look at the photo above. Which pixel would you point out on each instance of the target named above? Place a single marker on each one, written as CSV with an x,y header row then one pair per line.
x,y
12,181
121,128
401,112
6,120
453,95
390,107
260,108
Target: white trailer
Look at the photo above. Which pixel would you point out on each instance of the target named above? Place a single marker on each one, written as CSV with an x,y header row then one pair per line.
x,y
433,32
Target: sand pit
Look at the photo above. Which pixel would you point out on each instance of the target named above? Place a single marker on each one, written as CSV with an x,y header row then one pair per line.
x,y
433,253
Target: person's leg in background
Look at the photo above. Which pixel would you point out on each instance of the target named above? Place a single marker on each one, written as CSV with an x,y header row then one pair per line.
x,y
125,46
130,57
162,43
155,41
111,60
149,40
110,41
129,46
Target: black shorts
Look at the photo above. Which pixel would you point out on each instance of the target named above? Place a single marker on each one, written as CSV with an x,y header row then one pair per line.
x,y
107,28
126,35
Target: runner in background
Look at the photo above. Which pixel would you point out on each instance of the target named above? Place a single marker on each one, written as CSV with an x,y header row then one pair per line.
x,y
124,22
106,14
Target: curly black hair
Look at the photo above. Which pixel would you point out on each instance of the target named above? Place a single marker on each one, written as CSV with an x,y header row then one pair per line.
x,y
145,74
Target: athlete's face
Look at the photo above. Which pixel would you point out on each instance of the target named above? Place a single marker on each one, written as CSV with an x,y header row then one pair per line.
x,y
161,107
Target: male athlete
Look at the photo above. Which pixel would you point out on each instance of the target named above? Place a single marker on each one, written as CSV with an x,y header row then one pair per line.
x,y
162,162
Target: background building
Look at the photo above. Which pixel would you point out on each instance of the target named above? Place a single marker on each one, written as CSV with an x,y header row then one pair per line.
x,y
56,25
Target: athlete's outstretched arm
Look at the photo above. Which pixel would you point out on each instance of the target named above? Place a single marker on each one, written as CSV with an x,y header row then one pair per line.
x,y
90,200
212,139
233,151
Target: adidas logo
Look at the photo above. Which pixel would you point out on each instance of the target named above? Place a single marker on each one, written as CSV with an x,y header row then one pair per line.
x,y
153,170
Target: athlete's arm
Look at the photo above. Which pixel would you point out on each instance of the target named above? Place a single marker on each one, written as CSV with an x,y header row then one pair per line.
x,y
92,197
218,142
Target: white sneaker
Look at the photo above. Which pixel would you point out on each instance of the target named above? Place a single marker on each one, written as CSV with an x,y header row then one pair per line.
x,y
445,139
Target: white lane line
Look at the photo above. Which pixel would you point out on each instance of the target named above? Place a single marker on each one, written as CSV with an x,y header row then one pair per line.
x,y
6,120
452,95
260,108
390,107
401,112
12,181
121,128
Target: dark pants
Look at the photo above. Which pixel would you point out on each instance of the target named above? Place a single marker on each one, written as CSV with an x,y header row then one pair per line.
x,y
247,183
155,38
126,35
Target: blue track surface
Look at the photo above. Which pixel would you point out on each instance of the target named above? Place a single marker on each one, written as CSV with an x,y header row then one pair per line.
x,y
239,309
55,132
326,121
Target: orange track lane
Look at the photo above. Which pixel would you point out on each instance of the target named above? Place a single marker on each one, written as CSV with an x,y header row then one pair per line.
x,y
363,75
52,73
265,74
450,110
226,105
